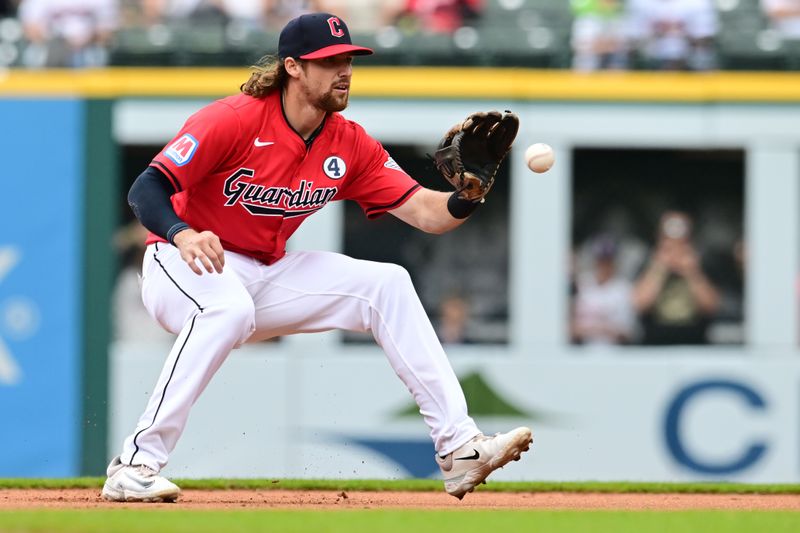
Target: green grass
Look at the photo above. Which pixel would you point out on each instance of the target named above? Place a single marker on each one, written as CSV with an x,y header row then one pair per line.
x,y
420,485
168,519
377,521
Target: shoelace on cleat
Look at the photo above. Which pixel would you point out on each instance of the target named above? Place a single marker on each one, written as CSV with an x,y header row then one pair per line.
x,y
146,471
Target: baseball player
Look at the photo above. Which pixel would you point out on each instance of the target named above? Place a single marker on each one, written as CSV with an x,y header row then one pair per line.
x,y
220,202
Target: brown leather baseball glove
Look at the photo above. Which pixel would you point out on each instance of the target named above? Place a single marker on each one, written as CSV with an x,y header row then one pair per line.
x,y
471,152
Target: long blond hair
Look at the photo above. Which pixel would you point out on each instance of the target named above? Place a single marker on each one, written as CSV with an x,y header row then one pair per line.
x,y
269,74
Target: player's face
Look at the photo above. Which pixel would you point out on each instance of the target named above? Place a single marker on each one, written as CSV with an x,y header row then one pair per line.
x,y
326,82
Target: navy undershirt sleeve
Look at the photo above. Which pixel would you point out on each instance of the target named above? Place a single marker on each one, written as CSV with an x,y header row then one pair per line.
x,y
149,198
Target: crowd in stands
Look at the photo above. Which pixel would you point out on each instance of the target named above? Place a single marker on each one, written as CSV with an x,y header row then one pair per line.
x,y
784,16
658,249
665,34
675,297
583,34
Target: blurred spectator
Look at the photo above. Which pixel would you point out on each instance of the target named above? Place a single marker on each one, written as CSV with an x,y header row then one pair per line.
x,y
454,314
67,33
616,222
674,34
598,35
279,12
784,16
602,310
269,14
674,297
362,16
170,11
433,16
473,262
250,13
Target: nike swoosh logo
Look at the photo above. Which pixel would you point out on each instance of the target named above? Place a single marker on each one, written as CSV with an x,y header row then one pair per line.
x,y
143,484
262,143
476,455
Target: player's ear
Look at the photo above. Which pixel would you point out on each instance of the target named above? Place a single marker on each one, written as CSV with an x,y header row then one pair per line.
x,y
292,66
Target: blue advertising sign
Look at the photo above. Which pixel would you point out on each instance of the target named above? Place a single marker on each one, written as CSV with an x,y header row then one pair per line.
x,y
41,202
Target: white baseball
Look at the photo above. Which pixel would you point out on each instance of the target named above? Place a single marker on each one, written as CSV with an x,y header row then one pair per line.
x,y
539,157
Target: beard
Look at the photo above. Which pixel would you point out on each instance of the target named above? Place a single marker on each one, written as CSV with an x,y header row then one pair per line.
x,y
330,102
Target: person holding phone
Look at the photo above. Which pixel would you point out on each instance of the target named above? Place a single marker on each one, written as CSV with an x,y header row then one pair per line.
x,y
674,297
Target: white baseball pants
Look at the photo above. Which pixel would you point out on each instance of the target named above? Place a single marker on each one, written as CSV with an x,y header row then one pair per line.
x,y
302,292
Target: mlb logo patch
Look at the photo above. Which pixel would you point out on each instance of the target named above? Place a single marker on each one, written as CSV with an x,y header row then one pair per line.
x,y
182,150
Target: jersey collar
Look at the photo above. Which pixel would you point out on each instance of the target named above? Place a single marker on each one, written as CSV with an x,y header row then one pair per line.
x,y
313,135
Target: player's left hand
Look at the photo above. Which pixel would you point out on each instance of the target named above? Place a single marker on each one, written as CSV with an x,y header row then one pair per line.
x,y
204,247
470,153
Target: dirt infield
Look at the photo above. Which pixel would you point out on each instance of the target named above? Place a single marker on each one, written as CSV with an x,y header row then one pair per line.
x,y
291,499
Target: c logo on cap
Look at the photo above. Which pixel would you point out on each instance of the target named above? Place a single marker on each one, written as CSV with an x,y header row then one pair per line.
x,y
336,27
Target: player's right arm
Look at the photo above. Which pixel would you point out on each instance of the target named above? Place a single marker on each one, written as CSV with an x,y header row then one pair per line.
x,y
149,198
202,145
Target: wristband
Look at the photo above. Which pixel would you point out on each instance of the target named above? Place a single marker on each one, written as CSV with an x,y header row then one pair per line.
x,y
460,208
174,230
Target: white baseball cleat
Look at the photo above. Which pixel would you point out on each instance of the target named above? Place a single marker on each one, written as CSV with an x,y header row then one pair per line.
x,y
470,465
137,483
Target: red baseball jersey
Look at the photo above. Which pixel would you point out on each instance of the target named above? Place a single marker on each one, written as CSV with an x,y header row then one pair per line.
x,y
242,172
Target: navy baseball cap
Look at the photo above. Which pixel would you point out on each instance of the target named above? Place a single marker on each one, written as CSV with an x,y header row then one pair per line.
x,y
315,36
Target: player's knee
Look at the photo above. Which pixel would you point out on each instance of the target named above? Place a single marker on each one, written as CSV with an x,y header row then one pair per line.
x,y
395,278
242,311
236,315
